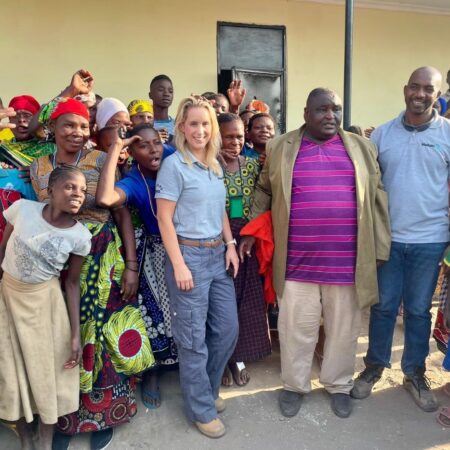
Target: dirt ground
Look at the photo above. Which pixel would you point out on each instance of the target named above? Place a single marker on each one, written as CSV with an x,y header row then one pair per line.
x,y
388,419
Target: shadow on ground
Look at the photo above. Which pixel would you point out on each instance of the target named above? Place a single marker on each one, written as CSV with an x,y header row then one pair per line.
x,y
386,420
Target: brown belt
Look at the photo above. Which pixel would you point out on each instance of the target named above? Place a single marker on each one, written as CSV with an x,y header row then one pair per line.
x,y
193,243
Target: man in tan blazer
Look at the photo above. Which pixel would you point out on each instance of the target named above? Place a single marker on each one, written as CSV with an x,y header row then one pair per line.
x,y
331,229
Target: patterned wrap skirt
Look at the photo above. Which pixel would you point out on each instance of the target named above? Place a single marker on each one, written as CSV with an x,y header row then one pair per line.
x,y
154,298
113,338
254,339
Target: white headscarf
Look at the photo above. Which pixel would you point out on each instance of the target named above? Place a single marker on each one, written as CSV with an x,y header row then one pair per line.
x,y
106,109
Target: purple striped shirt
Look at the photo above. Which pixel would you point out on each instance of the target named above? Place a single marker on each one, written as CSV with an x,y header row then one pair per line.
x,y
323,222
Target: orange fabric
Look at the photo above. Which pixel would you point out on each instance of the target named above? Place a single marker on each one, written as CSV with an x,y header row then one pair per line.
x,y
261,228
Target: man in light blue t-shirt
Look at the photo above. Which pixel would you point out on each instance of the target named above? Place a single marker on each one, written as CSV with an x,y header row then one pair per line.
x,y
414,157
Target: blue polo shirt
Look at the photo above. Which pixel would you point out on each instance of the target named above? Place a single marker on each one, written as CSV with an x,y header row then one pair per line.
x,y
199,195
415,166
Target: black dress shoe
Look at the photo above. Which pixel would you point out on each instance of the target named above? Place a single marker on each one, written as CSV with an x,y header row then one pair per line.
x,y
290,402
341,405
101,439
60,441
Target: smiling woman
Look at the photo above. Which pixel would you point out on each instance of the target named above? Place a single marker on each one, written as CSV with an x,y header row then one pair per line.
x,y
107,391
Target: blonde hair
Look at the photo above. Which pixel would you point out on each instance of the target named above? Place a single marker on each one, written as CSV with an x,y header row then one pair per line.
x,y
214,143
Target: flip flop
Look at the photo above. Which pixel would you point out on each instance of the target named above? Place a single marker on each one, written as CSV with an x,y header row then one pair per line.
x,y
155,396
237,373
443,416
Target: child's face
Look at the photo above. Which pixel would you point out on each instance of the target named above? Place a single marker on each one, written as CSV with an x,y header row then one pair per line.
x,y
148,151
142,117
107,137
262,131
68,194
197,128
232,138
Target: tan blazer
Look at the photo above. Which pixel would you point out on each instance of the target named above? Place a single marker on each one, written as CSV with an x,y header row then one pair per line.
x,y
273,191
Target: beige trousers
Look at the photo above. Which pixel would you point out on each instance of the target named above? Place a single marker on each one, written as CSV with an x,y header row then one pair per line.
x,y
301,309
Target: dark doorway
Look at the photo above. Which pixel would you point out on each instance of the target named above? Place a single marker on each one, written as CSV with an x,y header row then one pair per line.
x,y
254,54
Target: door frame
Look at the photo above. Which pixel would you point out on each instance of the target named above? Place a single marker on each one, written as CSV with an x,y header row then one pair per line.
x,y
284,59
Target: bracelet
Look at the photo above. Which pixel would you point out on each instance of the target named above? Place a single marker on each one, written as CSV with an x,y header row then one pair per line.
x,y
233,241
132,270
131,260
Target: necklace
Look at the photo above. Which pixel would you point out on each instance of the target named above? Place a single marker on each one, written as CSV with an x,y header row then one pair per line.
x,y
77,160
148,192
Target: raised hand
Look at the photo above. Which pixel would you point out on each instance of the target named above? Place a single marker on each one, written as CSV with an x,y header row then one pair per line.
x,y
6,113
236,95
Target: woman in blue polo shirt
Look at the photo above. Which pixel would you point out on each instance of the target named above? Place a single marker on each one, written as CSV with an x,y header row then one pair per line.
x,y
190,195
137,189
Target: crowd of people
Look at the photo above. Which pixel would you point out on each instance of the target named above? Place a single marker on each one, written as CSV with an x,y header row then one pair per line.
x,y
133,243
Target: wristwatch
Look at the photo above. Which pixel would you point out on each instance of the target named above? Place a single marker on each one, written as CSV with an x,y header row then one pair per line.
x,y
231,242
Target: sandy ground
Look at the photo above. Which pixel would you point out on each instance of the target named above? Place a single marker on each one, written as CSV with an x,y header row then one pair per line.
x,y
387,420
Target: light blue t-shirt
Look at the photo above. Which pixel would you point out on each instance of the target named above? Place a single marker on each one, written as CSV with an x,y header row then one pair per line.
x,y
415,168
199,194
168,124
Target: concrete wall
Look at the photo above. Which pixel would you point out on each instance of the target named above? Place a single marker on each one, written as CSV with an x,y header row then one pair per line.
x,y
124,44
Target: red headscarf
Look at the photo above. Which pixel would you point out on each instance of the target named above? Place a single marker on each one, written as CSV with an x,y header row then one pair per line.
x,y
70,106
25,102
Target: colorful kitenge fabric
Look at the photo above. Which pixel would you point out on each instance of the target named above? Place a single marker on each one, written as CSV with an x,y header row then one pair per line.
x,y
114,341
113,338
154,298
101,409
243,183
22,154
254,339
90,163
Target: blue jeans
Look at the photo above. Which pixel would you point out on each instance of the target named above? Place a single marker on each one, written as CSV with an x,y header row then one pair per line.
x,y
410,276
205,328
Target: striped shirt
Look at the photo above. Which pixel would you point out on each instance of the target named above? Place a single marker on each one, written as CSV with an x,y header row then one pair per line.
x,y
323,222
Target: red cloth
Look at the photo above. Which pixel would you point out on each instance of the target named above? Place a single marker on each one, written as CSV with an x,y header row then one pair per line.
x,y
261,228
70,106
25,102
7,198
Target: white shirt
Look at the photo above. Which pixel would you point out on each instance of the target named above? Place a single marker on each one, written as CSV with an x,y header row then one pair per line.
x,y
37,251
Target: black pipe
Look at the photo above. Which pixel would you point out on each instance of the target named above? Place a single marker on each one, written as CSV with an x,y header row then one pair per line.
x,y
348,63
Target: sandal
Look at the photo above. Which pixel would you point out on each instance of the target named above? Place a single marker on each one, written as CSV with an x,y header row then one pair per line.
x,y
240,374
443,416
151,399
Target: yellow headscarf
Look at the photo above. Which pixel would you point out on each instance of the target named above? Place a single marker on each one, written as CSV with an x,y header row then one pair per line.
x,y
140,106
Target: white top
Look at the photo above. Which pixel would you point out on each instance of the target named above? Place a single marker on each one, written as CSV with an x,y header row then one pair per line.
x,y
37,251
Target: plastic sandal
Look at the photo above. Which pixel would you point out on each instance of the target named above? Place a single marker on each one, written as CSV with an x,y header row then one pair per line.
x,y
155,396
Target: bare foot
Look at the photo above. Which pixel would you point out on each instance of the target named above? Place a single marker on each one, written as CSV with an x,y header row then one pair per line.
x,y
240,373
227,377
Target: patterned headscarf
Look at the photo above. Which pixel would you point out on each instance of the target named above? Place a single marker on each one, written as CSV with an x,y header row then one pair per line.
x,y
140,106
62,105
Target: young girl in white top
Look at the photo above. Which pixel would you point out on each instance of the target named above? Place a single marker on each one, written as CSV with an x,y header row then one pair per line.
x,y
39,334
